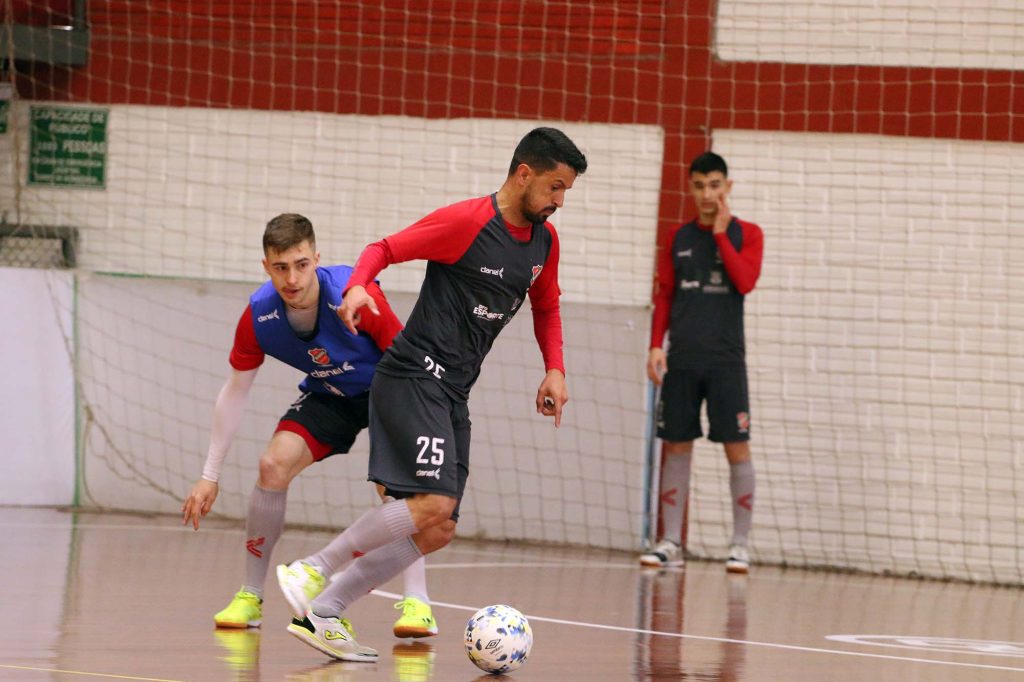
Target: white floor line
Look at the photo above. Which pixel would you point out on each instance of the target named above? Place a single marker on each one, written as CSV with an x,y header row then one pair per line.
x,y
725,640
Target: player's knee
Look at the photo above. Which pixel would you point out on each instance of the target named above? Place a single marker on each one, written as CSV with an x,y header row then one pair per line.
x,y
275,472
435,537
431,511
684,447
446,532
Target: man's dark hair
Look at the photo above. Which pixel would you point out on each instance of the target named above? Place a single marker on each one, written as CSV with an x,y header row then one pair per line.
x,y
544,148
709,162
288,230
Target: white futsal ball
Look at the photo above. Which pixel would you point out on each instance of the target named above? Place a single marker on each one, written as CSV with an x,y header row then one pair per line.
x,y
498,639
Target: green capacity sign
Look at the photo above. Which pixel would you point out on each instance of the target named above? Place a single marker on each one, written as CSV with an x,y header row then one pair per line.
x,y
68,147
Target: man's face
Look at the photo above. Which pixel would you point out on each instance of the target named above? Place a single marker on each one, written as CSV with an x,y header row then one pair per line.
x,y
544,193
293,273
706,190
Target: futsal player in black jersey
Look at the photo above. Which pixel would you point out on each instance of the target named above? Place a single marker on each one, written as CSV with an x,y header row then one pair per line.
x,y
485,257
705,270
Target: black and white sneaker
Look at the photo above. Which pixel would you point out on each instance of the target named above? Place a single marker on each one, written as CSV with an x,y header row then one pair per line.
x,y
333,636
739,560
665,553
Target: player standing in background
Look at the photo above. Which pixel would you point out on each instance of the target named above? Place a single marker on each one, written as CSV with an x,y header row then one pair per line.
x,y
292,318
705,270
484,256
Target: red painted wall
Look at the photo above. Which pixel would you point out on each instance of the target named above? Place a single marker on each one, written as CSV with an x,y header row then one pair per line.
x,y
629,61
40,12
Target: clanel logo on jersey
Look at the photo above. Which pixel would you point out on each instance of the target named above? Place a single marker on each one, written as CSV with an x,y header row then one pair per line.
x,y
436,473
269,316
535,273
332,372
685,254
319,356
689,284
500,272
482,312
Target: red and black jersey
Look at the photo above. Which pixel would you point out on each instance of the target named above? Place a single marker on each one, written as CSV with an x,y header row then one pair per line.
x,y
480,271
702,281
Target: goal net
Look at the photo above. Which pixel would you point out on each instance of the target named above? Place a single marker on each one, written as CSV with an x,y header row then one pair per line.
x,y
880,151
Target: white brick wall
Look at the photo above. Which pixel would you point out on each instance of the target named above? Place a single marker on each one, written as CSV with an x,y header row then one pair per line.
x,y
189,191
928,33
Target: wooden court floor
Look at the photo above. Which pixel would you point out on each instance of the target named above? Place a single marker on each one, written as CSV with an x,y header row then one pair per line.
x,y
88,596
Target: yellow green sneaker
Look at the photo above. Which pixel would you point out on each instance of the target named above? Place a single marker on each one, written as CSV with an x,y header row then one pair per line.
x,y
416,619
244,611
301,583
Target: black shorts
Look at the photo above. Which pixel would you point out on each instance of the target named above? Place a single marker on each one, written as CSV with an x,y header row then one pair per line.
x,y
419,438
724,389
328,423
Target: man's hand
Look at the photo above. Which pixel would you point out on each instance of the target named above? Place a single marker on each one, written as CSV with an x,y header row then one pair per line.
x,y
552,395
656,365
199,502
351,303
723,217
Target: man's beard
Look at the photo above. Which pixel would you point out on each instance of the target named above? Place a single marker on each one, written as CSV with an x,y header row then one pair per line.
x,y
535,218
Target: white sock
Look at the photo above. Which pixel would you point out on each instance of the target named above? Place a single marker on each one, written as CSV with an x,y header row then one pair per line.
x,y
378,527
365,574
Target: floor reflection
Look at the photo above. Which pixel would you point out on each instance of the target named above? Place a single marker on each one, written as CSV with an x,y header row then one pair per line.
x,y
414,661
661,608
240,652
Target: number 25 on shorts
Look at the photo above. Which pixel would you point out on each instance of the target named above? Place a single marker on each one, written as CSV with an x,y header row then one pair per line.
x,y
437,458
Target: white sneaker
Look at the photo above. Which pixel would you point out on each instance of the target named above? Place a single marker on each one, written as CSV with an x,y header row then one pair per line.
x,y
301,583
738,561
333,636
665,553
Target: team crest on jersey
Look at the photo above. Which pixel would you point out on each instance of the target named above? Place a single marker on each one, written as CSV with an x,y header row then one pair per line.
x,y
319,356
536,273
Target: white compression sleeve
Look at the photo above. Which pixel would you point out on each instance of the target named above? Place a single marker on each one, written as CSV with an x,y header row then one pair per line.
x,y
227,416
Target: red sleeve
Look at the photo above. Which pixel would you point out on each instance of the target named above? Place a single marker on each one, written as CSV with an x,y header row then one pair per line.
x,y
441,236
547,315
246,354
744,266
664,287
381,328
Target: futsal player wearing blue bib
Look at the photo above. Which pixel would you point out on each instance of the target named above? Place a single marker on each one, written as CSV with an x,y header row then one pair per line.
x,y
293,318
